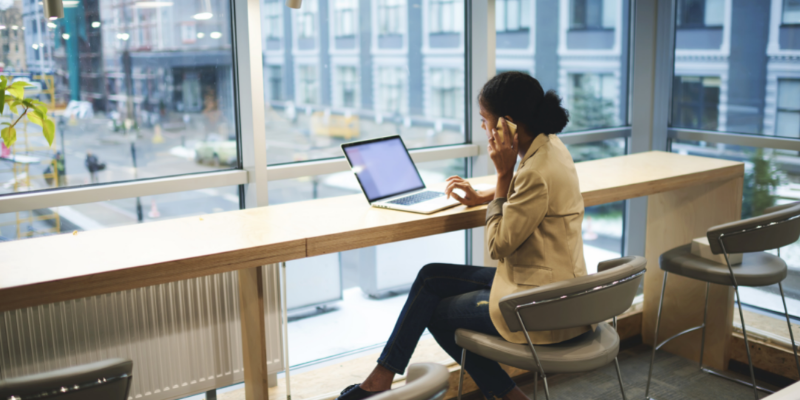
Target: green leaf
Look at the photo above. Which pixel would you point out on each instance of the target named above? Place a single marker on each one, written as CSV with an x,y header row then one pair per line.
x,y
27,103
20,84
2,101
9,135
36,119
17,92
49,130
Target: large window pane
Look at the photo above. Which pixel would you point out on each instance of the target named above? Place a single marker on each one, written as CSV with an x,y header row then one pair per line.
x,y
138,90
347,69
326,312
587,64
735,69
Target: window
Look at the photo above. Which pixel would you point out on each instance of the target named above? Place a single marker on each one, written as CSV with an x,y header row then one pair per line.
x,y
334,90
345,17
347,81
791,12
512,15
590,101
169,108
700,13
593,14
446,16
306,20
788,116
391,91
275,82
447,97
274,19
695,102
307,85
390,17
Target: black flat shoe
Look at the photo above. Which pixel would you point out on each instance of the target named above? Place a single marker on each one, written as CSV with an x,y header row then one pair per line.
x,y
355,392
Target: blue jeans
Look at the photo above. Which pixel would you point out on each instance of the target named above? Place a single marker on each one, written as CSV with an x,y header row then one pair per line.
x,y
443,298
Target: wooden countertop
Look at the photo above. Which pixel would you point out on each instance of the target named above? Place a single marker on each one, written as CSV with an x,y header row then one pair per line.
x,y
62,267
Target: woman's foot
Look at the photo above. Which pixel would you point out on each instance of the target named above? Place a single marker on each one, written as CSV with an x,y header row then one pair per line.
x,y
378,381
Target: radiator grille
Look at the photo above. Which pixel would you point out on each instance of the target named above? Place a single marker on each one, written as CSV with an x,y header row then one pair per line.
x,y
183,337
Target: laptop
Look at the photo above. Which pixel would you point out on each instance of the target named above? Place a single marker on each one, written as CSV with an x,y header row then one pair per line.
x,y
390,179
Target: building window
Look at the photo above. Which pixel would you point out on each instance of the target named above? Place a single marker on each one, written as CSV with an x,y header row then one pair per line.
x,y
446,16
275,82
512,15
306,20
695,102
788,118
700,13
274,19
345,17
446,92
791,12
591,101
593,14
347,82
390,17
188,32
391,81
307,84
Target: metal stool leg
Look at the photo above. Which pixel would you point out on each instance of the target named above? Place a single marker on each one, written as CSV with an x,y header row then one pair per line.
x,y
655,337
746,342
703,337
535,384
461,374
546,389
619,378
789,325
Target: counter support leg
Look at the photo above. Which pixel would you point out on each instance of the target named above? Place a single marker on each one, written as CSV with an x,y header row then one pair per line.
x,y
254,335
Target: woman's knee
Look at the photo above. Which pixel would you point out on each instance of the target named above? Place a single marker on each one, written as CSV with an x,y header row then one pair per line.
x,y
429,270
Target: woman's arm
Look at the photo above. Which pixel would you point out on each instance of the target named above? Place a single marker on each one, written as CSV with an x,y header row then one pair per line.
x,y
471,196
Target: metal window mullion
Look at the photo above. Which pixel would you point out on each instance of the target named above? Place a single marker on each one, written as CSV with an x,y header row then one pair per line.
x,y
121,190
738,139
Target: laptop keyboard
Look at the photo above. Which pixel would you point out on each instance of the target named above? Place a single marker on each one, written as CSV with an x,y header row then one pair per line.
x,y
416,198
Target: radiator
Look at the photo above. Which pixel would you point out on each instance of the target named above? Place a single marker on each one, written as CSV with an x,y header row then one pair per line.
x,y
183,337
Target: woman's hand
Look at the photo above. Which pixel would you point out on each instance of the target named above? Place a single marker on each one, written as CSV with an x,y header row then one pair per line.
x,y
471,197
503,150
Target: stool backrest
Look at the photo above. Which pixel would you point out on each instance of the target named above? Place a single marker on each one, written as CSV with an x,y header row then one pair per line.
x,y
579,301
765,232
108,380
426,381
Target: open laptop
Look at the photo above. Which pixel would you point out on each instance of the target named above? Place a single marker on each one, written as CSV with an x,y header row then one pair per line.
x,y
390,179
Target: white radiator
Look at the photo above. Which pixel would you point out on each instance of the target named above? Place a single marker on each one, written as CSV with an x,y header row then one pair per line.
x,y
183,337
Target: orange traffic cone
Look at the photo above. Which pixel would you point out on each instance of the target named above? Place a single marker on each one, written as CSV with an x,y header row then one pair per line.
x,y
589,235
153,211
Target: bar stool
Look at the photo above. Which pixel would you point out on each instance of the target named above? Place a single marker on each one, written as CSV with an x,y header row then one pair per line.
x,y
590,299
778,227
426,381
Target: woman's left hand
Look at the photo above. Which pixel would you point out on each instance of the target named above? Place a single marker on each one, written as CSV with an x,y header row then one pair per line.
x,y
503,151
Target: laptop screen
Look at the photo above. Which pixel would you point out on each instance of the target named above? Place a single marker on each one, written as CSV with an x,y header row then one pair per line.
x,y
383,167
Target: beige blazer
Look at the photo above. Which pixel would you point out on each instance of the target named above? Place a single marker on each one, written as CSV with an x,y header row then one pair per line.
x,y
535,233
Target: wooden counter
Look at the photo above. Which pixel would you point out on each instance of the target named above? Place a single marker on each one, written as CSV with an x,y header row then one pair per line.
x,y
687,195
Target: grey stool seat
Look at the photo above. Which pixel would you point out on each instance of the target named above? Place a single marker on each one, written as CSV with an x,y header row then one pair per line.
x,y
426,381
570,303
108,379
586,352
756,269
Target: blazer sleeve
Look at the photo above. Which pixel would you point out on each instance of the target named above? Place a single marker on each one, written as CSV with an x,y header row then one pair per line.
x,y
509,222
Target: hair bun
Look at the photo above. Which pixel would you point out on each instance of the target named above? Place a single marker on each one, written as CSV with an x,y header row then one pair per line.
x,y
550,116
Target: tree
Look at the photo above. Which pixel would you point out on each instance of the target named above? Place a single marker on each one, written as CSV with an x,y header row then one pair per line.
x,y
760,183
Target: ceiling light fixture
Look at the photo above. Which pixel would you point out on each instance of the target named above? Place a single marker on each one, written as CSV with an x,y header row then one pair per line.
x,y
153,4
96,24
216,35
65,36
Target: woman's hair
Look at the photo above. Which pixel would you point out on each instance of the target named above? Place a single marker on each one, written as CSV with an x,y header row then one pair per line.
x,y
521,97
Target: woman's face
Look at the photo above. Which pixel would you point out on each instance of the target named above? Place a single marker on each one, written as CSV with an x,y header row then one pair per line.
x,y
488,120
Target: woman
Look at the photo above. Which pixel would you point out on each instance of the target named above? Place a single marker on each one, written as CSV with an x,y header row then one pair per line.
x,y
533,229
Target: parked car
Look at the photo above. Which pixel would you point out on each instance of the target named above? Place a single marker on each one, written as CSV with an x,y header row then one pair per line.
x,y
216,151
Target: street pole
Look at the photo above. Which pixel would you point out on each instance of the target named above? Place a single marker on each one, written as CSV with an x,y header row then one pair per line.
x,y
139,214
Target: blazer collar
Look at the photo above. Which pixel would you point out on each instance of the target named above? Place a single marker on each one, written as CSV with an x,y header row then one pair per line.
x,y
540,141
